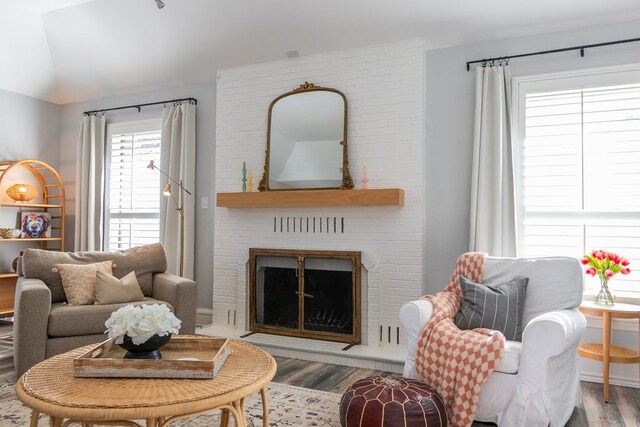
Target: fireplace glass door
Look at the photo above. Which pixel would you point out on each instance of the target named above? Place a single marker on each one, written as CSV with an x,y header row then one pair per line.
x,y
313,294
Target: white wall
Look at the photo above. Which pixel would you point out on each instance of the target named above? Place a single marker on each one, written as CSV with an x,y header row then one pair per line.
x,y
205,153
384,87
29,129
449,138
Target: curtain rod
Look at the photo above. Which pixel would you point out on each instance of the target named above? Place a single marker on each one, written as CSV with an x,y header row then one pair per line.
x,y
545,52
191,100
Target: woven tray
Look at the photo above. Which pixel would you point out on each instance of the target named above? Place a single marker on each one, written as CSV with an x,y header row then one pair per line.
x,y
182,357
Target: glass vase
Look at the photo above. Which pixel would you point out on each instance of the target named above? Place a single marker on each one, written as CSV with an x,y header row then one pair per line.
x,y
604,296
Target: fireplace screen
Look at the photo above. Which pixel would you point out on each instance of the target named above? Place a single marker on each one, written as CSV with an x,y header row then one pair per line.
x,y
314,294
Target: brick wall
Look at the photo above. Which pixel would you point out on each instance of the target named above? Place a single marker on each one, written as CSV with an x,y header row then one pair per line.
x,y
384,86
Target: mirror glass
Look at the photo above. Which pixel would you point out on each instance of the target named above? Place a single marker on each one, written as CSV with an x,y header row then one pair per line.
x,y
306,144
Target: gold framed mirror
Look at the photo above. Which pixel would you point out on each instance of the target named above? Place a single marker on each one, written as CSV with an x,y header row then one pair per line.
x,y
307,141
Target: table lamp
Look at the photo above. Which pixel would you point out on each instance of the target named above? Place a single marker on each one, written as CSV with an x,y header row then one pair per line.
x,y
22,192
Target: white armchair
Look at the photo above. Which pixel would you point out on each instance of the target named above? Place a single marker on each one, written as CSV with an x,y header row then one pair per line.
x,y
536,383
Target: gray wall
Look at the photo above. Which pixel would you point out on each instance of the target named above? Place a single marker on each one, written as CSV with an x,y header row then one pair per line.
x,y
29,129
450,92
205,150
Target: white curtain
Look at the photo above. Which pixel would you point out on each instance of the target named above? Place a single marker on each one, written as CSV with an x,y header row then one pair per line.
x,y
493,220
178,160
90,184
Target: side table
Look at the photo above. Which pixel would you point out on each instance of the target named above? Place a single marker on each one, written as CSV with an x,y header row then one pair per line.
x,y
605,352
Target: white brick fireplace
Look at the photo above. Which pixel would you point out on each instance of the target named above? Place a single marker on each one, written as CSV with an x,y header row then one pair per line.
x,y
384,86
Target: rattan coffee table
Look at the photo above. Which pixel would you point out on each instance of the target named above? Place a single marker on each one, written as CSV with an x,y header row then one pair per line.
x,y
50,388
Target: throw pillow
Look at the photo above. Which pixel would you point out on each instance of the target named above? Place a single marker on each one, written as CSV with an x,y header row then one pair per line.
x,y
496,307
111,290
79,281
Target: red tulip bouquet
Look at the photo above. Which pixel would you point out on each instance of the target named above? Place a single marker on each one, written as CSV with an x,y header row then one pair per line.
x,y
605,265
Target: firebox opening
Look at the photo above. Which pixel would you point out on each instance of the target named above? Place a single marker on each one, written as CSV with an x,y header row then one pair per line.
x,y
329,307
313,294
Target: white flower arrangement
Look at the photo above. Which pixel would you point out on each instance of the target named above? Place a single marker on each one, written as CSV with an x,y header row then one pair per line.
x,y
141,323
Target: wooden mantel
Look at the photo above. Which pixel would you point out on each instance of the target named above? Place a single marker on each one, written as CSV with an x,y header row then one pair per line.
x,y
311,198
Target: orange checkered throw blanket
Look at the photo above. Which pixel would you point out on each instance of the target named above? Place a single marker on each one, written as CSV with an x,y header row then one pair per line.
x,y
457,362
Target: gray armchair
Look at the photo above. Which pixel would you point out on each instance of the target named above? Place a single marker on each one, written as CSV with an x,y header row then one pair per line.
x,y
45,325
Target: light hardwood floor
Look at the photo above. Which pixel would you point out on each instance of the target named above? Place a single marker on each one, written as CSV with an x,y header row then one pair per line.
x,y
622,410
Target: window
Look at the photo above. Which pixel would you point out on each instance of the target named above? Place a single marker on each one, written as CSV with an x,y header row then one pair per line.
x,y
132,196
578,167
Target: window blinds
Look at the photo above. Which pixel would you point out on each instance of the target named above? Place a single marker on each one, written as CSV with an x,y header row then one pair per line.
x,y
133,191
580,175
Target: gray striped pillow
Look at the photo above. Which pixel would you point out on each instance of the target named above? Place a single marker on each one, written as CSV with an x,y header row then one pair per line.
x,y
496,307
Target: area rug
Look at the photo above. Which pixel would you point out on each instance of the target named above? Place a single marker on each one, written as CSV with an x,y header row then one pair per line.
x,y
288,406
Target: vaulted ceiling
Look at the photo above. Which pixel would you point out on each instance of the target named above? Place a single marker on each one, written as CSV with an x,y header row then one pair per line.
x,y
73,50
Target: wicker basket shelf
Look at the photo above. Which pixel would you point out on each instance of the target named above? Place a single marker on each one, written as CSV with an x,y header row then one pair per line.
x,y
595,351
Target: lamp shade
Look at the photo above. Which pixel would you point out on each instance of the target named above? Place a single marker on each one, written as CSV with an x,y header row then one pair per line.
x,y
22,192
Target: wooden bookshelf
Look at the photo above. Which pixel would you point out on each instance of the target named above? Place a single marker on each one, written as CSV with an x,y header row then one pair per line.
x,y
52,195
32,205
7,292
37,239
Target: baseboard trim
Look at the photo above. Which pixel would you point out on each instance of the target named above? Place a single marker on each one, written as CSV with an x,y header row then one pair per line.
x,y
624,382
616,324
204,316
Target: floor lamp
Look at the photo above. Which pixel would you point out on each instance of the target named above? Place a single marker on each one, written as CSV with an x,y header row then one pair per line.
x,y
179,207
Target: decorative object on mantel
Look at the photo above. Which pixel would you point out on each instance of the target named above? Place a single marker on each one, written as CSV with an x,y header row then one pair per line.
x,y
365,179
605,265
307,141
244,177
22,192
250,184
179,204
142,330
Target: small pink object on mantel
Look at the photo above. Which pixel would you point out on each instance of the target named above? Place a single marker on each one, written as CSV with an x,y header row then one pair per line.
x,y
365,180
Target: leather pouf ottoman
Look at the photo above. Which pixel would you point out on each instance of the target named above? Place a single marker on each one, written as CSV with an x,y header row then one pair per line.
x,y
391,402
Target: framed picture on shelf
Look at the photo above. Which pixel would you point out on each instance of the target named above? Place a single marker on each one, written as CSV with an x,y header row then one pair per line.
x,y
35,225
